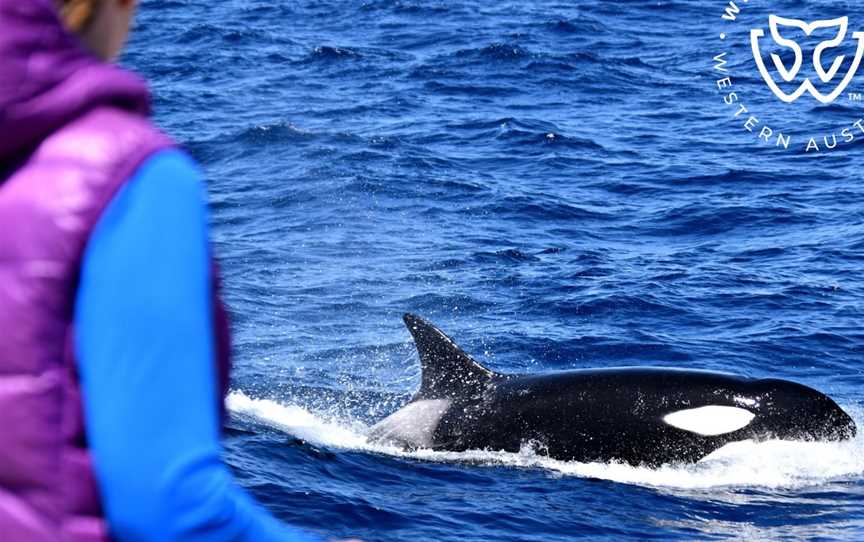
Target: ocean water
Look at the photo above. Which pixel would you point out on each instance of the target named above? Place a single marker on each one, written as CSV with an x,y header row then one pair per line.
x,y
557,185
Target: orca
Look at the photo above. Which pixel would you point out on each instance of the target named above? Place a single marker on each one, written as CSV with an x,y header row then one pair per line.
x,y
637,415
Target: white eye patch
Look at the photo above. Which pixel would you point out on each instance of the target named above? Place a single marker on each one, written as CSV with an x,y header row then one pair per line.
x,y
710,420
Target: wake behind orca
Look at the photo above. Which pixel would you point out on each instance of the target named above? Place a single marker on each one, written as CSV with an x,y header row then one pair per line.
x,y
638,415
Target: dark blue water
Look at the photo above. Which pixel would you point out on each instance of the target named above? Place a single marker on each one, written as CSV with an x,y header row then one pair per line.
x,y
556,184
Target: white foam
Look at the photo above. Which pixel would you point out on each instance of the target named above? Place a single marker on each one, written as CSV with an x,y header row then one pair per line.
x,y
297,421
772,464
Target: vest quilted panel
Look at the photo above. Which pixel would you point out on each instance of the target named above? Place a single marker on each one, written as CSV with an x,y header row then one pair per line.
x,y
48,209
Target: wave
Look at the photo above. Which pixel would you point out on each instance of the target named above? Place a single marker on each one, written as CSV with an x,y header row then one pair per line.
x,y
327,52
496,51
770,464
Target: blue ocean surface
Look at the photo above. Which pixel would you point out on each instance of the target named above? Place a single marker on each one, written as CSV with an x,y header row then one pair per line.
x,y
557,185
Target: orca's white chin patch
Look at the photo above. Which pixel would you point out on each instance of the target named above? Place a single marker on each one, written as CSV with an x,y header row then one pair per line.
x,y
710,420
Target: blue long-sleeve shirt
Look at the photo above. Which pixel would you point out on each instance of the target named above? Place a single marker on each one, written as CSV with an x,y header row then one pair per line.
x,y
145,345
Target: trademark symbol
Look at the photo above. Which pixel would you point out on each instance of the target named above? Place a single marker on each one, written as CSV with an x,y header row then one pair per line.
x,y
856,97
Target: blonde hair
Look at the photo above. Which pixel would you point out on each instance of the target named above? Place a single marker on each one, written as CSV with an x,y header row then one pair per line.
x,y
78,14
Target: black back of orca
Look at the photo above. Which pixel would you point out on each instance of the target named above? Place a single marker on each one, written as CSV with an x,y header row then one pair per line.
x,y
636,415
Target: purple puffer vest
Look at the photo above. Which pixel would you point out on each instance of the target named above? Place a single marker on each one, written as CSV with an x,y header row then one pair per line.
x,y
72,132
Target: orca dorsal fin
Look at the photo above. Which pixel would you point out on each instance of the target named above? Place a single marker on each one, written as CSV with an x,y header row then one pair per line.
x,y
448,372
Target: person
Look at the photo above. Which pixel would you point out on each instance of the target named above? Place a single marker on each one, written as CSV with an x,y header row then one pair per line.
x,y
114,346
